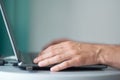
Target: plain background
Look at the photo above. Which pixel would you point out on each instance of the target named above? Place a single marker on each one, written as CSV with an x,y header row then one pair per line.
x,y
96,21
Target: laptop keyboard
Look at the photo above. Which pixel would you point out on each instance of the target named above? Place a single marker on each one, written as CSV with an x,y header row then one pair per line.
x,y
33,56
28,57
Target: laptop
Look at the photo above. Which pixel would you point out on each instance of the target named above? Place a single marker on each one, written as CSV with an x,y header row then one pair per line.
x,y
25,61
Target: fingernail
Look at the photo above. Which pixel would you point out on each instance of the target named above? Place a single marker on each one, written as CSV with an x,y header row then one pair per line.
x,y
41,64
54,69
35,60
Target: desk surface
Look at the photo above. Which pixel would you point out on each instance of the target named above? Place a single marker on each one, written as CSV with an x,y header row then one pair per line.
x,y
14,73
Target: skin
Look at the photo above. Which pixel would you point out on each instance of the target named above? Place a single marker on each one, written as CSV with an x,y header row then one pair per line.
x,y
66,53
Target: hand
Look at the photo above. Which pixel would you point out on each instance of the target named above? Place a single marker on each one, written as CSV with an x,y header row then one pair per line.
x,y
67,53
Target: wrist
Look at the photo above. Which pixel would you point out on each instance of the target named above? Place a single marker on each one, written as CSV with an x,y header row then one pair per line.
x,y
101,57
105,56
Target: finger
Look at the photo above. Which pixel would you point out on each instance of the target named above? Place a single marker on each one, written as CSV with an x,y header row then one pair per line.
x,y
55,42
62,66
54,60
49,52
42,57
36,58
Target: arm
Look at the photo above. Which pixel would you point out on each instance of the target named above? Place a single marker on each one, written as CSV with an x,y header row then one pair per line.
x,y
68,53
110,55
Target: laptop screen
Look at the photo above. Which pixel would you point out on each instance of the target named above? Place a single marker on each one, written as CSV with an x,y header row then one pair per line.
x,y
5,46
7,28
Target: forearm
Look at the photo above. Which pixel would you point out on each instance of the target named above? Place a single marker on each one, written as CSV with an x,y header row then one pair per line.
x,y
110,55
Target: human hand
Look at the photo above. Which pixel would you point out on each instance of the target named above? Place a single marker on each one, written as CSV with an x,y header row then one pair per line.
x,y
68,53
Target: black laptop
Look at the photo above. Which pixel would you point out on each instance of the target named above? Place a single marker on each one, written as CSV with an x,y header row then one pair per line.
x,y
25,61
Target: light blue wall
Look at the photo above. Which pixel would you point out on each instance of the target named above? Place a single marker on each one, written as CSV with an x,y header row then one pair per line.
x,y
84,20
18,14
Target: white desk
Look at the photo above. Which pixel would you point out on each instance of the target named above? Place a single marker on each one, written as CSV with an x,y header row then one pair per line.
x,y
14,73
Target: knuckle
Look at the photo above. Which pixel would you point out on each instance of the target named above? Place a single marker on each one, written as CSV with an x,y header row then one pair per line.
x,y
47,61
57,58
40,57
67,64
78,59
